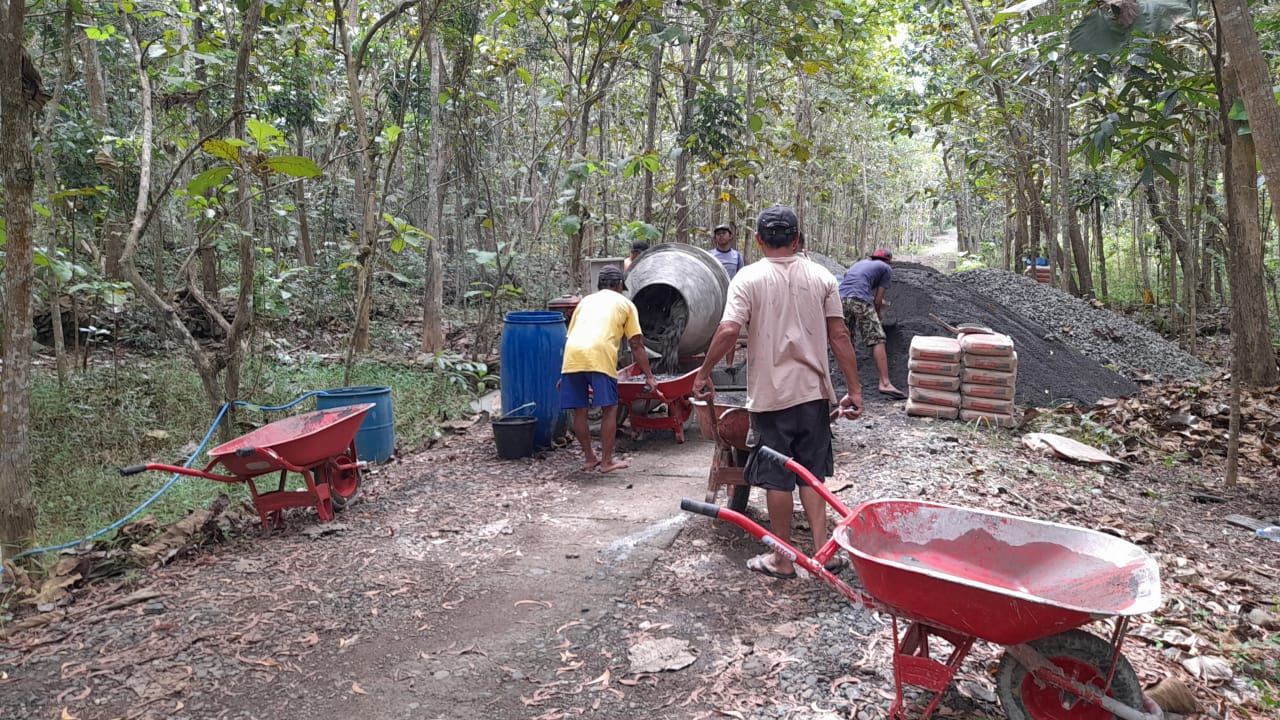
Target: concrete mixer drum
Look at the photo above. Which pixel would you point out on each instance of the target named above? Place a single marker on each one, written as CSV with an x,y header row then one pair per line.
x,y
679,291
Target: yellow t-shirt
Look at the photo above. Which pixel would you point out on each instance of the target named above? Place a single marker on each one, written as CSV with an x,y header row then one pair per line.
x,y
600,322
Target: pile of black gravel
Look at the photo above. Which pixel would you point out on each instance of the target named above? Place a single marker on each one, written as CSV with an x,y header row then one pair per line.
x,y
1050,371
1111,339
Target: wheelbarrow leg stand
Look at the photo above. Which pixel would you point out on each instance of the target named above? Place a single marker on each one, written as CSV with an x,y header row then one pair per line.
x,y
912,664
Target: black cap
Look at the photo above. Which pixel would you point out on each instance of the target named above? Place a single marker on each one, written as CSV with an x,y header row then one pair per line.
x,y
610,276
778,217
723,227
882,254
639,245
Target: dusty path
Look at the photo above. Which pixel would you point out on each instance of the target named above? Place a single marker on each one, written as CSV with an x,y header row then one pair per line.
x,y
466,587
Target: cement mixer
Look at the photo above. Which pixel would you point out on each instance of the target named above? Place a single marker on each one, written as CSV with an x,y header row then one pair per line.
x,y
679,291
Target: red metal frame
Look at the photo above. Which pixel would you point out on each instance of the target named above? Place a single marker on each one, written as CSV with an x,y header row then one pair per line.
x,y
674,394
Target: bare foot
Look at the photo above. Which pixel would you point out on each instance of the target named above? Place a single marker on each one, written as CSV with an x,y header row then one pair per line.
x,y
590,464
614,465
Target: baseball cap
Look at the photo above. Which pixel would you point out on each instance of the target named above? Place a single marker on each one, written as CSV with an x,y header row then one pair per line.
x,y
882,254
610,275
778,217
723,227
640,245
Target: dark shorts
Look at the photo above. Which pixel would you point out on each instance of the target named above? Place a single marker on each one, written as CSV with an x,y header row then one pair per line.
x,y
803,432
861,315
574,387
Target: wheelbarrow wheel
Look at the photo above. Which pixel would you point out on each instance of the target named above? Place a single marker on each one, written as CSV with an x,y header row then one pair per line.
x,y
1082,657
342,475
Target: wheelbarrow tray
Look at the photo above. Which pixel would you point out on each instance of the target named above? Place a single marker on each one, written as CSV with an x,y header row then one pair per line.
x,y
301,440
1001,578
631,385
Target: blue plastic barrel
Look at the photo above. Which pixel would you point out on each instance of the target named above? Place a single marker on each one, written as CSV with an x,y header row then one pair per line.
x,y
532,351
376,438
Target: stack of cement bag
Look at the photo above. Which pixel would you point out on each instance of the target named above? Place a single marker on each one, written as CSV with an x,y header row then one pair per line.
x,y
934,377
989,378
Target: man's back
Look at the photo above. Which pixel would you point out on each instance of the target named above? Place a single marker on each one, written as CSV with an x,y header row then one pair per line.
x,y
785,303
863,277
600,322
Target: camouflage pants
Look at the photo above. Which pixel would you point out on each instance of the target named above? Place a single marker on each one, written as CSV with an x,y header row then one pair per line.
x,y
860,315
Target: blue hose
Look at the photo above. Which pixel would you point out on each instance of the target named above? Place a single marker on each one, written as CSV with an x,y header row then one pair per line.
x,y
115,525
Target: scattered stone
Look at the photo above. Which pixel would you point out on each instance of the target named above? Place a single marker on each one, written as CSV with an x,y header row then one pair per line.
x,y
661,654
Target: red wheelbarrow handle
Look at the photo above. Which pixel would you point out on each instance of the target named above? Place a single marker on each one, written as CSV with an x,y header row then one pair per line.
x,y
766,453
194,472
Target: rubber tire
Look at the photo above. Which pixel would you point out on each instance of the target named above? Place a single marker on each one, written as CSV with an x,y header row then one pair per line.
x,y
340,502
1081,647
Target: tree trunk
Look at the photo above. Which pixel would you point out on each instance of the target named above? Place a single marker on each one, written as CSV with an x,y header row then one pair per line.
x,y
438,162
1246,61
305,254
651,122
1099,248
18,509
1255,359
50,170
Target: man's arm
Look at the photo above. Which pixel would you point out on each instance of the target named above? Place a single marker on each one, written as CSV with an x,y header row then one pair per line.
x,y
879,302
642,359
847,359
725,339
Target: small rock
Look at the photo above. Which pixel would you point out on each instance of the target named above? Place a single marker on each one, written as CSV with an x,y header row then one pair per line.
x,y
155,607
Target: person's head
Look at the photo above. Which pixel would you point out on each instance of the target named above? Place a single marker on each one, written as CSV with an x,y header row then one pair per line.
x,y
638,247
883,255
723,235
777,226
610,279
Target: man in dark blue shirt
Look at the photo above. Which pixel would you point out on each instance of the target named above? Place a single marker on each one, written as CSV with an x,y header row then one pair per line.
x,y
862,295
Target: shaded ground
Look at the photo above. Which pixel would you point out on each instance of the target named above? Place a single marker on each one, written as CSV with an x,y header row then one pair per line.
x,y
466,587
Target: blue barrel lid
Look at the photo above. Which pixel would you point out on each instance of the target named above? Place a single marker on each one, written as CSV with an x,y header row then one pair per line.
x,y
534,317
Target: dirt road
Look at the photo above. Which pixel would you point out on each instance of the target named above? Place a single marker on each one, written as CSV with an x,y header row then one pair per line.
x,y
466,587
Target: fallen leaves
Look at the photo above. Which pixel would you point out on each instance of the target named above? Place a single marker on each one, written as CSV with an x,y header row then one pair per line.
x,y
355,688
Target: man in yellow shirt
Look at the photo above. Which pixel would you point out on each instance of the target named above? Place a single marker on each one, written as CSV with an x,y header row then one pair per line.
x,y
589,375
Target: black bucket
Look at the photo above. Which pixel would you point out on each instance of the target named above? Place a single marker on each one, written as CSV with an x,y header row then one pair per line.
x,y
514,436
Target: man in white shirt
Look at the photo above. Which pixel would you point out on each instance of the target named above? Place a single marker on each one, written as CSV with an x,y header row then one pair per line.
x,y
792,309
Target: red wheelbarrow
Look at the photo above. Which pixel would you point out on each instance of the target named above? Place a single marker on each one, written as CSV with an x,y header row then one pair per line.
x,y
672,396
320,446
962,575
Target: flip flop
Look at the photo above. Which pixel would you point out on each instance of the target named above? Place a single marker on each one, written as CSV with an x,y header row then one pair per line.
x,y
837,564
759,564
895,394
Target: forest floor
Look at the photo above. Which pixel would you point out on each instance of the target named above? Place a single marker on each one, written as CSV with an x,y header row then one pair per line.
x,y
461,586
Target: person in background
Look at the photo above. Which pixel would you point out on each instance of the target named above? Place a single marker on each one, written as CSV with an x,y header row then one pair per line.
x,y
862,295
725,252
792,307
599,323
637,247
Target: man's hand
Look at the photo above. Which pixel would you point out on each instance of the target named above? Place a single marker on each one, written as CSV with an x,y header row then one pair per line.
x,y
702,387
652,383
851,405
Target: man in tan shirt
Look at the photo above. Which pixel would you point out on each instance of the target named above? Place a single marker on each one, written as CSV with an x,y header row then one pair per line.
x,y
792,310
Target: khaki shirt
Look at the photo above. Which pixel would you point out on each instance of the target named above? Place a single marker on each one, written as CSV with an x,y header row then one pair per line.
x,y
784,303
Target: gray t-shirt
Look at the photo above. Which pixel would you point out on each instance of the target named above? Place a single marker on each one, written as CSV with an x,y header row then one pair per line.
x,y
731,259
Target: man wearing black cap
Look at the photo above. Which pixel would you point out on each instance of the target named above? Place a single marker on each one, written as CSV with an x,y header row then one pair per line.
x,y
792,309
862,295
725,252
589,373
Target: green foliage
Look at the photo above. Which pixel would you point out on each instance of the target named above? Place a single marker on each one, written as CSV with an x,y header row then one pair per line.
x,y
717,125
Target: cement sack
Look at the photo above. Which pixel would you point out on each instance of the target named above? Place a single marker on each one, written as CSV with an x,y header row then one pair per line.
x,y
983,344
994,420
994,392
988,377
933,382
935,397
1003,363
920,409
934,367
928,347
987,405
